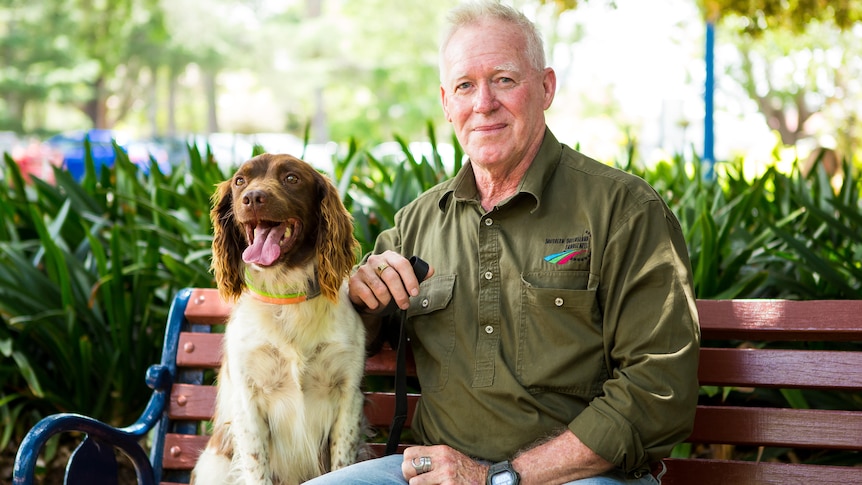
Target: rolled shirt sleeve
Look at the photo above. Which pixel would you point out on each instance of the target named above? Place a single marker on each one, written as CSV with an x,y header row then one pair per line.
x,y
652,339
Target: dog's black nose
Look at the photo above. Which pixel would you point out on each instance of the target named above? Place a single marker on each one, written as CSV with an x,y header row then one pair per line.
x,y
254,198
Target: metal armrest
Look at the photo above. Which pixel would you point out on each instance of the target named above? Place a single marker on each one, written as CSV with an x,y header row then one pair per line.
x,y
93,456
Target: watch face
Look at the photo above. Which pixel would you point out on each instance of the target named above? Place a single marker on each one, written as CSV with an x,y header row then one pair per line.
x,y
503,478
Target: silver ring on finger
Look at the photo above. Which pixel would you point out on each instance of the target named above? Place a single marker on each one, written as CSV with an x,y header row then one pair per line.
x,y
423,466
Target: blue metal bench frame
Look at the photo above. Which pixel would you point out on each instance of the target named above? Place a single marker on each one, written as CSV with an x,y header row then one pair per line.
x,y
94,460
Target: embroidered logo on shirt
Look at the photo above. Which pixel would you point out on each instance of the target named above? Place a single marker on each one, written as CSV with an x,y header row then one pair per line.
x,y
574,249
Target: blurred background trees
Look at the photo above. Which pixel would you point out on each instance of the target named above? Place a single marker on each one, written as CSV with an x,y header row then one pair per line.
x,y
158,68
800,63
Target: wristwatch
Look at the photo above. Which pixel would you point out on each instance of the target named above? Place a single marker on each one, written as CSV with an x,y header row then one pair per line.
x,y
502,473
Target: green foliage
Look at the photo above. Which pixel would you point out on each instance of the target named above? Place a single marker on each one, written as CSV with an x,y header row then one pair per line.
x,y
374,189
776,236
87,272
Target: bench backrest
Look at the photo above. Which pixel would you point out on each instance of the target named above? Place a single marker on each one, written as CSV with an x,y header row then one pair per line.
x,y
734,355
193,344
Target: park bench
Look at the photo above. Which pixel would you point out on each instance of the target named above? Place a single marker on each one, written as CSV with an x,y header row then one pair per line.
x,y
183,396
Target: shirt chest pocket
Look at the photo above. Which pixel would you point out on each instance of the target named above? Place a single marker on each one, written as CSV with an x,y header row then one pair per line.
x,y
560,344
432,328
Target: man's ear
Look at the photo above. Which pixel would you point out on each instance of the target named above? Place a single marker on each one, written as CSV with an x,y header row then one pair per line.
x,y
444,102
549,81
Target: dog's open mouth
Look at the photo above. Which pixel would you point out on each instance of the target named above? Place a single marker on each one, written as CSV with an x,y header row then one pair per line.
x,y
268,240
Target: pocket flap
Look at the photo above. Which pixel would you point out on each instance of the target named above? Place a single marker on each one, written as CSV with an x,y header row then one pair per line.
x,y
434,294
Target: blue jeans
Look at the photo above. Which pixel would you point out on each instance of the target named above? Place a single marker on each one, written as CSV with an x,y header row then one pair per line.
x,y
387,471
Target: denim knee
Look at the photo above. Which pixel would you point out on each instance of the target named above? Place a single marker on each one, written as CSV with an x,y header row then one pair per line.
x,y
379,471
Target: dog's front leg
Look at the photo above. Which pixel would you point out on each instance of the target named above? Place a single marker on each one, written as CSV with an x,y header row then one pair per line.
x,y
251,435
345,439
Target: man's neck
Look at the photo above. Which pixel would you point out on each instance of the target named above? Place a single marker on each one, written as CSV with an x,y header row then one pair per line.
x,y
496,184
493,190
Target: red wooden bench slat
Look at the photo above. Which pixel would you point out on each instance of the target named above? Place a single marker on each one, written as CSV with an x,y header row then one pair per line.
x,y
801,428
380,407
832,320
182,450
377,450
383,363
200,350
192,402
777,368
206,307
200,405
197,403
721,472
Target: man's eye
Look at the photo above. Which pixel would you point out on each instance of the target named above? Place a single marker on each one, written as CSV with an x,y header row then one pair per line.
x,y
463,86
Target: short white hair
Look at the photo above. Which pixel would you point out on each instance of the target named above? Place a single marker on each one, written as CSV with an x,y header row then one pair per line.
x,y
476,11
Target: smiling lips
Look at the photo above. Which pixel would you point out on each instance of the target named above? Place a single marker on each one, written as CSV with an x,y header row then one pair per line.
x,y
268,241
489,128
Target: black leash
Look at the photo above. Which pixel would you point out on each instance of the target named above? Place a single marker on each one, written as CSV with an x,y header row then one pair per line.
x,y
420,268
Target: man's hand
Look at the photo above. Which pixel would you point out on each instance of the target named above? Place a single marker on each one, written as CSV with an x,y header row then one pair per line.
x,y
383,278
448,467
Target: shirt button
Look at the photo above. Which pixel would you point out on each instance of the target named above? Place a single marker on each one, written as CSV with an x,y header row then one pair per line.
x,y
489,275
489,222
425,303
558,301
489,330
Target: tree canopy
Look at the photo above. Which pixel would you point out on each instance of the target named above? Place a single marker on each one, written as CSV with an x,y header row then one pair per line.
x,y
793,15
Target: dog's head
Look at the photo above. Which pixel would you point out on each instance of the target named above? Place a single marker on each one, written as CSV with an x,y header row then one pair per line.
x,y
277,211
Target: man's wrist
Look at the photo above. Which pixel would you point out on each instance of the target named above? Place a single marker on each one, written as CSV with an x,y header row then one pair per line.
x,y
502,473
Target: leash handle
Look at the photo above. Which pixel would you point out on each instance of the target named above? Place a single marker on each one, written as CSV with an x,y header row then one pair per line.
x,y
420,268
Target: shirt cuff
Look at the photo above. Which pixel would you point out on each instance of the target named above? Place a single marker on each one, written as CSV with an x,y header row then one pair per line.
x,y
610,437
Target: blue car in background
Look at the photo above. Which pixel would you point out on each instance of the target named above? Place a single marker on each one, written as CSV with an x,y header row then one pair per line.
x,y
71,146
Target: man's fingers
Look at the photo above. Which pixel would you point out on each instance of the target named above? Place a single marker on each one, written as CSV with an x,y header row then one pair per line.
x,y
383,278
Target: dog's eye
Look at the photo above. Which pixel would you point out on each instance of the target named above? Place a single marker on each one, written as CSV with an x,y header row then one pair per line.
x,y
239,181
291,179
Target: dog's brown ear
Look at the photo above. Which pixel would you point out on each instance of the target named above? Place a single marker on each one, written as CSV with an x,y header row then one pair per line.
x,y
227,245
336,245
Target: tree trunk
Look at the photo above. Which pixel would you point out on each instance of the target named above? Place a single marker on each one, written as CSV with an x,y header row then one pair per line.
x,y
96,108
172,102
152,108
212,106
319,125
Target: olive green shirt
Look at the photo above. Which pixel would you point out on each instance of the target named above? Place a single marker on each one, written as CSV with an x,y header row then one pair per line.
x,y
568,305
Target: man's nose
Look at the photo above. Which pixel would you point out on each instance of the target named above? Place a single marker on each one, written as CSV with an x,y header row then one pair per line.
x,y
485,100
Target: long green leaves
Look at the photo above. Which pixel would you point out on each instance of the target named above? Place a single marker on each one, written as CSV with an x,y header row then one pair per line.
x,y
87,271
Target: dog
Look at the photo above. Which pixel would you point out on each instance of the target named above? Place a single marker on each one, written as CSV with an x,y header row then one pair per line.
x,y
289,404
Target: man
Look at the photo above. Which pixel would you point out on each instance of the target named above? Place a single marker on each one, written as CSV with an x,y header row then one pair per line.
x,y
556,337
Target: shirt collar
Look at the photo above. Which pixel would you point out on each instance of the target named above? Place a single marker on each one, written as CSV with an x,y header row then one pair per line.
x,y
540,172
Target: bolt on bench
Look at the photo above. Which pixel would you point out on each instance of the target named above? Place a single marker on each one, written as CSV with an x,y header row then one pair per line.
x,y
184,397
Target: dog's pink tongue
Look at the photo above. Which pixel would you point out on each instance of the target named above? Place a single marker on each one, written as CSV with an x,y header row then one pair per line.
x,y
265,249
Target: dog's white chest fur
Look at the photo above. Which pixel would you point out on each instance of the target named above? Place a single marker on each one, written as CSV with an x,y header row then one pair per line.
x,y
289,398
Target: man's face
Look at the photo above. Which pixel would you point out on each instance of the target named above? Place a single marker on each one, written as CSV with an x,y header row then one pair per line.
x,y
492,96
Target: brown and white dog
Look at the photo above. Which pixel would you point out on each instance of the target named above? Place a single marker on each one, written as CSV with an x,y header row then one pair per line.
x,y
289,404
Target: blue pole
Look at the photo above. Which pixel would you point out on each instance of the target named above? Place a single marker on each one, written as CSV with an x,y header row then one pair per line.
x,y
709,91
